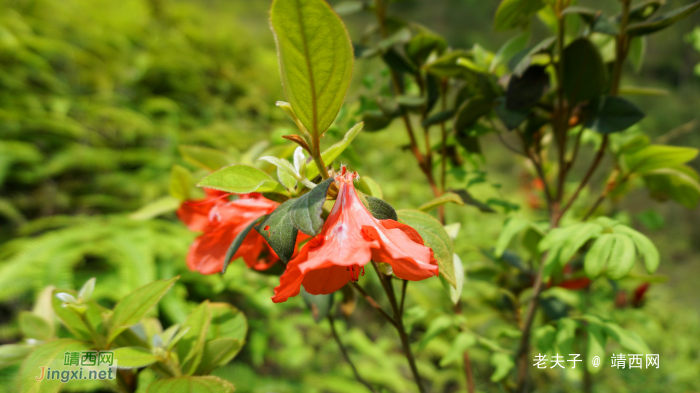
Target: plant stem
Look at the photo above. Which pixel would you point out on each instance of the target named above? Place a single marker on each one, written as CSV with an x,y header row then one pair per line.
x,y
373,303
344,351
587,177
403,296
400,328
95,336
318,160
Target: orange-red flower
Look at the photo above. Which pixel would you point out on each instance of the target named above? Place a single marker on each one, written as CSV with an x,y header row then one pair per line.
x,y
350,238
222,221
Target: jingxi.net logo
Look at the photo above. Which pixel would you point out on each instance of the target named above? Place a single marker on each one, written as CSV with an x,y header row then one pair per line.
x,y
80,365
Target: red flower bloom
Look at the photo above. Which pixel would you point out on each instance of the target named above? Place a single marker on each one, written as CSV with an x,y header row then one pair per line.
x,y
350,238
195,214
221,222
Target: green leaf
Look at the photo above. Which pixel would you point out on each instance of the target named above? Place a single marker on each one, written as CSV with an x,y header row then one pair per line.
x,y
663,21
524,61
280,164
446,65
642,91
34,326
218,353
638,48
208,384
398,62
610,114
237,241
156,208
584,71
319,305
422,45
599,254
621,257
448,197
49,355
181,183
566,334
376,120
509,49
435,237
369,186
514,13
226,321
456,291
511,119
73,321
438,118
468,199
644,246
596,346
461,343
411,102
470,111
544,337
503,364
14,353
526,90
204,157
306,212
679,183
436,326
512,227
133,357
191,345
627,339
241,179
132,308
316,59
349,7
279,231
644,10
380,209
330,154
655,157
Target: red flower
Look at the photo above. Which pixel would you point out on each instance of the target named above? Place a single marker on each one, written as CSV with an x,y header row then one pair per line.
x,y
221,222
350,238
195,214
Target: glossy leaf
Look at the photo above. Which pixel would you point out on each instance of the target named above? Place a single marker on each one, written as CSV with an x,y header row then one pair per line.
x,y
435,237
242,179
208,384
663,21
655,157
316,59
584,71
134,306
133,357
330,154
279,232
306,212
644,246
610,114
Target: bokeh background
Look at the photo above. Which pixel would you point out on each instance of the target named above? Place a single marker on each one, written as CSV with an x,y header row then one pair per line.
x,y
96,97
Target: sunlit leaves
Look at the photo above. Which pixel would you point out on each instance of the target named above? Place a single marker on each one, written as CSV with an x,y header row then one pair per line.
x,y
316,59
134,357
241,179
208,384
435,237
655,157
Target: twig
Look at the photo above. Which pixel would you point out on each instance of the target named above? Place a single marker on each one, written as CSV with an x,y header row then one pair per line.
x,y
344,351
403,296
598,158
373,303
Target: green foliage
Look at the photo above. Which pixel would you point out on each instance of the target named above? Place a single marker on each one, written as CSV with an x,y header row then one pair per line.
x,y
241,179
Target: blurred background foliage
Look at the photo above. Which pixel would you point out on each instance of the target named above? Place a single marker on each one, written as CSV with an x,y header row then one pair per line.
x,y
96,97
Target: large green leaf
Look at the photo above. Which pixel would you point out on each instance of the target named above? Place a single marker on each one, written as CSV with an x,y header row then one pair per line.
x,y
217,353
305,213
435,237
226,321
610,114
208,384
279,231
316,59
191,345
679,183
133,357
584,71
597,257
621,257
509,49
132,308
644,246
49,355
514,13
512,227
241,179
655,157
663,21
330,154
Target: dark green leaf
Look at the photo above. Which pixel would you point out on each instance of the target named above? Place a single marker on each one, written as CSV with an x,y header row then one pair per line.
x,y
411,102
584,71
438,118
644,11
510,49
375,121
468,199
306,212
523,60
663,21
379,209
237,241
511,119
398,62
316,59
217,353
132,308
446,65
514,13
610,114
525,91
279,232
470,111
435,237
421,45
